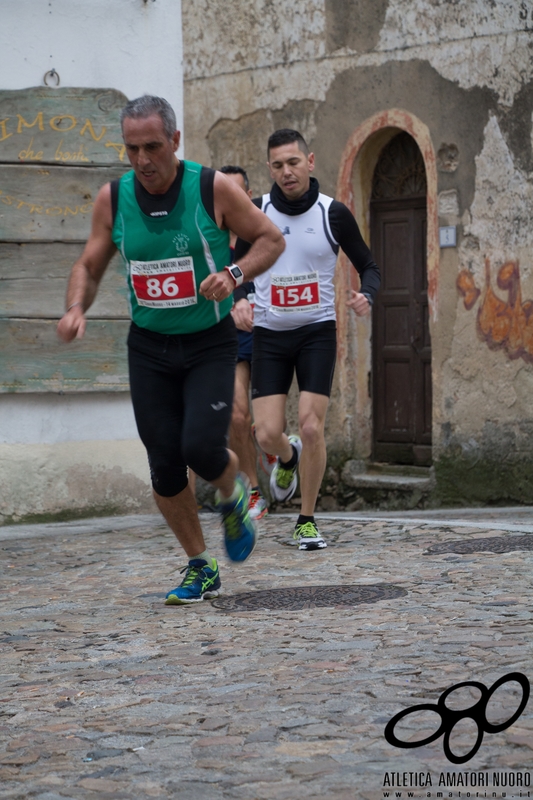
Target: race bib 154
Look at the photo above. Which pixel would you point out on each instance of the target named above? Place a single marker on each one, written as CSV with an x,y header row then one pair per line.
x,y
164,284
295,292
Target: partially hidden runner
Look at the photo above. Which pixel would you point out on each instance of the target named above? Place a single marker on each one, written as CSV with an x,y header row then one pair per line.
x,y
294,321
170,220
241,438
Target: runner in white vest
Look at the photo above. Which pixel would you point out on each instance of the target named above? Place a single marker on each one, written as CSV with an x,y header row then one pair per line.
x,y
294,321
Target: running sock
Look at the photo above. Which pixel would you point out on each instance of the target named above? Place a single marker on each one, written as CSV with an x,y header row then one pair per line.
x,y
293,461
211,563
228,501
255,489
302,519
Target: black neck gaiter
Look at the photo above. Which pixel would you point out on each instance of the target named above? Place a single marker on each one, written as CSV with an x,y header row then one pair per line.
x,y
294,207
159,205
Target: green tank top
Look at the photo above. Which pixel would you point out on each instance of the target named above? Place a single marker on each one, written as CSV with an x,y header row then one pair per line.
x,y
168,257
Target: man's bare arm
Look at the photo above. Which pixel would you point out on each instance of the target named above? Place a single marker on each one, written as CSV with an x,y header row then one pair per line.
x,y
234,211
88,270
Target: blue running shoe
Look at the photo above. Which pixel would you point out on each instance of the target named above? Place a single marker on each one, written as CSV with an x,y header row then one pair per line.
x,y
200,581
239,529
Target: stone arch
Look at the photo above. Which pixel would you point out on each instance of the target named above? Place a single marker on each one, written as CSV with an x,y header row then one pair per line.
x,y
354,187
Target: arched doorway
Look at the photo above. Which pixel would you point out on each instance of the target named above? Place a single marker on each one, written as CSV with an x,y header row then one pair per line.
x,y
401,345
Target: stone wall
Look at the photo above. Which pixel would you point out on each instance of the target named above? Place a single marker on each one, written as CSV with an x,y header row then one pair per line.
x,y
465,71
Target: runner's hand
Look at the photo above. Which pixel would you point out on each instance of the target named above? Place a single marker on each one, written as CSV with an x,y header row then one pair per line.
x,y
217,286
72,325
243,315
359,303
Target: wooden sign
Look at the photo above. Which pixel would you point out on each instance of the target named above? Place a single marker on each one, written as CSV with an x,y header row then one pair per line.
x,y
33,359
33,282
57,148
47,203
61,126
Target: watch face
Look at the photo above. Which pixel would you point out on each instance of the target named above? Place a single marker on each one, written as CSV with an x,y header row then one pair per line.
x,y
236,271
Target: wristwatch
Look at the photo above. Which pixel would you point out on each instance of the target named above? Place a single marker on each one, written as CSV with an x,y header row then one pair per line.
x,y
368,297
236,273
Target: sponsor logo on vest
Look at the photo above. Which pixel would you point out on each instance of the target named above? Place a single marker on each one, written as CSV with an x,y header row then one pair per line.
x,y
182,244
285,230
158,213
219,406
310,230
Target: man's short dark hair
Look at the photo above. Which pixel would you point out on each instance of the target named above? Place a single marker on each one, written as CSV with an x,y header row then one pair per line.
x,y
287,136
145,106
230,169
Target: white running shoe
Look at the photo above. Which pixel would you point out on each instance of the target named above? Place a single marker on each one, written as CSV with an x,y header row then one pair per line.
x,y
283,482
308,537
257,505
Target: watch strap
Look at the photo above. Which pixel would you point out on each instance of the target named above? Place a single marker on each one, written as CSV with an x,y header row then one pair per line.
x,y
236,280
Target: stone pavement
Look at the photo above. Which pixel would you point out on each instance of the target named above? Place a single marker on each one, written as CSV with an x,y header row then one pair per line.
x,y
107,693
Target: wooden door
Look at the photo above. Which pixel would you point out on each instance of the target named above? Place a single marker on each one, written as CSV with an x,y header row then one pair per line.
x,y
402,394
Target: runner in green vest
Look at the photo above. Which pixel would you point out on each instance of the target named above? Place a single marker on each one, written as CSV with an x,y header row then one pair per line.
x,y
170,221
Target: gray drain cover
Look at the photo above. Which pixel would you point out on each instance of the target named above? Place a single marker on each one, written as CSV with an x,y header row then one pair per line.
x,y
497,544
297,598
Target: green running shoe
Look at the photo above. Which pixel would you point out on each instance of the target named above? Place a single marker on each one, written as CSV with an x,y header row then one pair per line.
x,y
200,581
283,482
239,528
308,537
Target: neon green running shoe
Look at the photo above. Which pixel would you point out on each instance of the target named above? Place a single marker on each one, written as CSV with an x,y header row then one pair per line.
x,y
308,537
283,482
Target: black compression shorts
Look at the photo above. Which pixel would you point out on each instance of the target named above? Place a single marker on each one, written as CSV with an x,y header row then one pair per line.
x,y
182,394
310,350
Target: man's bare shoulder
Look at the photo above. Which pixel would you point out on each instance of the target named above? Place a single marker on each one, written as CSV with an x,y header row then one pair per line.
x,y
223,186
102,211
104,194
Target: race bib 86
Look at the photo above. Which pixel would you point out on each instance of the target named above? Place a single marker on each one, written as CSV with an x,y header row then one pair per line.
x,y
164,284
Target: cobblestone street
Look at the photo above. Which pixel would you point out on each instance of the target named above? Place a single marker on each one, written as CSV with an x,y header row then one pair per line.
x,y
106,692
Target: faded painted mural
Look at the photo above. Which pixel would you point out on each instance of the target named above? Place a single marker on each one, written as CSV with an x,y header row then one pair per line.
x,y
464,70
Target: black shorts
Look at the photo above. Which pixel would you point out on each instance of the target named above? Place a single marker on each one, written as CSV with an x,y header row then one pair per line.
x,y
245,346
310,350
182,394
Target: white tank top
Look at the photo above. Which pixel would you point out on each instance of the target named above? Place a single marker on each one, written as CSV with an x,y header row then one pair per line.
x,y
298,290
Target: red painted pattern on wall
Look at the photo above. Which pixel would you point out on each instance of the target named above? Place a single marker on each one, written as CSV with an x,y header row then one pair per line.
x,y
505,325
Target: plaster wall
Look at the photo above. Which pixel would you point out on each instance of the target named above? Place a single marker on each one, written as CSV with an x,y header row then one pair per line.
x,y
80,454
70,455
116,45
465,70
277,52
67,479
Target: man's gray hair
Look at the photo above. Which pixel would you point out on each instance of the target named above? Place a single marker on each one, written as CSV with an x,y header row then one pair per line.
x,y
147,105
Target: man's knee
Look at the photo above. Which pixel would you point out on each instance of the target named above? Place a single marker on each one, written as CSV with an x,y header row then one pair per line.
x,y
312,431
209,464
167,480
241,420
266,434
